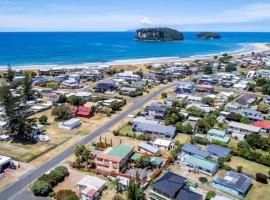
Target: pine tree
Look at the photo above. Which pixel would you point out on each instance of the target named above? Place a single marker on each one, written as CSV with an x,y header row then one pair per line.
x,y
27,86
9,76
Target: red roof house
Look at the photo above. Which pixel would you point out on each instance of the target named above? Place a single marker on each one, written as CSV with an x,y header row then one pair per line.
x,y
82,111
262,124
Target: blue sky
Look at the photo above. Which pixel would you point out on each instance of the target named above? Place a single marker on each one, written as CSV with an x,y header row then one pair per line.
x,y
121,15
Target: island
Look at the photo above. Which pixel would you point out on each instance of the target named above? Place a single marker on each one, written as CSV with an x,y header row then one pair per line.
x,y
158,34
208,35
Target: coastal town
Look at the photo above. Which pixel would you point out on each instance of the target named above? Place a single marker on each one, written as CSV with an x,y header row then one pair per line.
x,y
193,129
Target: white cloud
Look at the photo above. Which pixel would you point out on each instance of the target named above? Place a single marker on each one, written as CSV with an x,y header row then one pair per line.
x,y
248,13
146,21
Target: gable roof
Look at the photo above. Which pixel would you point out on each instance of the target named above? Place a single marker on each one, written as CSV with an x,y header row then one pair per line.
x,y
219,151
202,162
195,150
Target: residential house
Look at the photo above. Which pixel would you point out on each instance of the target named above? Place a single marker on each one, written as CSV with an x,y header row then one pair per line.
x,y
90,187
172,187
186,87
218,151
191,149
240,130
40,80
264,125
215,134
127,90
208,80
82,111
154,129
234,183
113,159
156,110
70,124
209,89
70,84
163,144
105,86
148,148
201,164
253,115
128,76
246,100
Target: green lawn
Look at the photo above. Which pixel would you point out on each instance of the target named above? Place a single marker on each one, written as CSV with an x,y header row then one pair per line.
x,y
126,131
258,191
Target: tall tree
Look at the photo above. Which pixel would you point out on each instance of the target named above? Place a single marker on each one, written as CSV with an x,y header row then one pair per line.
x,y
9,75
27,86
19,127
134,190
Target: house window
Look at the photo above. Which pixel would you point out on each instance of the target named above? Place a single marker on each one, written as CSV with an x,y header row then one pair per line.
x,y
99,159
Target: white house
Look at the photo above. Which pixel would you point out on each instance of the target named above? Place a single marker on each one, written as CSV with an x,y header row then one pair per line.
x,y
70,124
129,76
163,144
90,187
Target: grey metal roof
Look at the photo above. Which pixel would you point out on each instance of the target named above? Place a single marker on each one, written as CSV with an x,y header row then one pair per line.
x,y
195,150
237,181
149,147
219,151
156,128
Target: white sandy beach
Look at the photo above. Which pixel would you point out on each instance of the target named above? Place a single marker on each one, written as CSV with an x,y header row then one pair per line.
x,y
247,49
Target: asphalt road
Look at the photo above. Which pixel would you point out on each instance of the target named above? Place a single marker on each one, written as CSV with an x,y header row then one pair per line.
x,y
12,191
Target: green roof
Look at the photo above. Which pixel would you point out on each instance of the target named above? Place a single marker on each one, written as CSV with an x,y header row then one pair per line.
x,y
120,151
135,156
156,161
197,161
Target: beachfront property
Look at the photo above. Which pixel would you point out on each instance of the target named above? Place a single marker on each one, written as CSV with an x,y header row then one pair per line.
x,y
70,124
172,187
113,159
201,164
128,76
240,130
215,134
90,187
185,87
236,184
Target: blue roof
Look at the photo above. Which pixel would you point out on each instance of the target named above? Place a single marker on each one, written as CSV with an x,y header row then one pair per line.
x,y
174,186
219,151
203,163
237,181
216,132
195,150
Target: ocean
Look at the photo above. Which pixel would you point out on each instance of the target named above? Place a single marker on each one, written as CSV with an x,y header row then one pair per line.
x,y
39,49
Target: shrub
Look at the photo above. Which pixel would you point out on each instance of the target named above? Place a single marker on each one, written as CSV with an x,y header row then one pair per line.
x,y
239,169
59,173
226,167
41,188
43,120
210,195
49,179
66,195
262,178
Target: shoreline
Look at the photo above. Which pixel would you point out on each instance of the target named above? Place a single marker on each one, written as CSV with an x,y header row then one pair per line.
x,y
247,49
